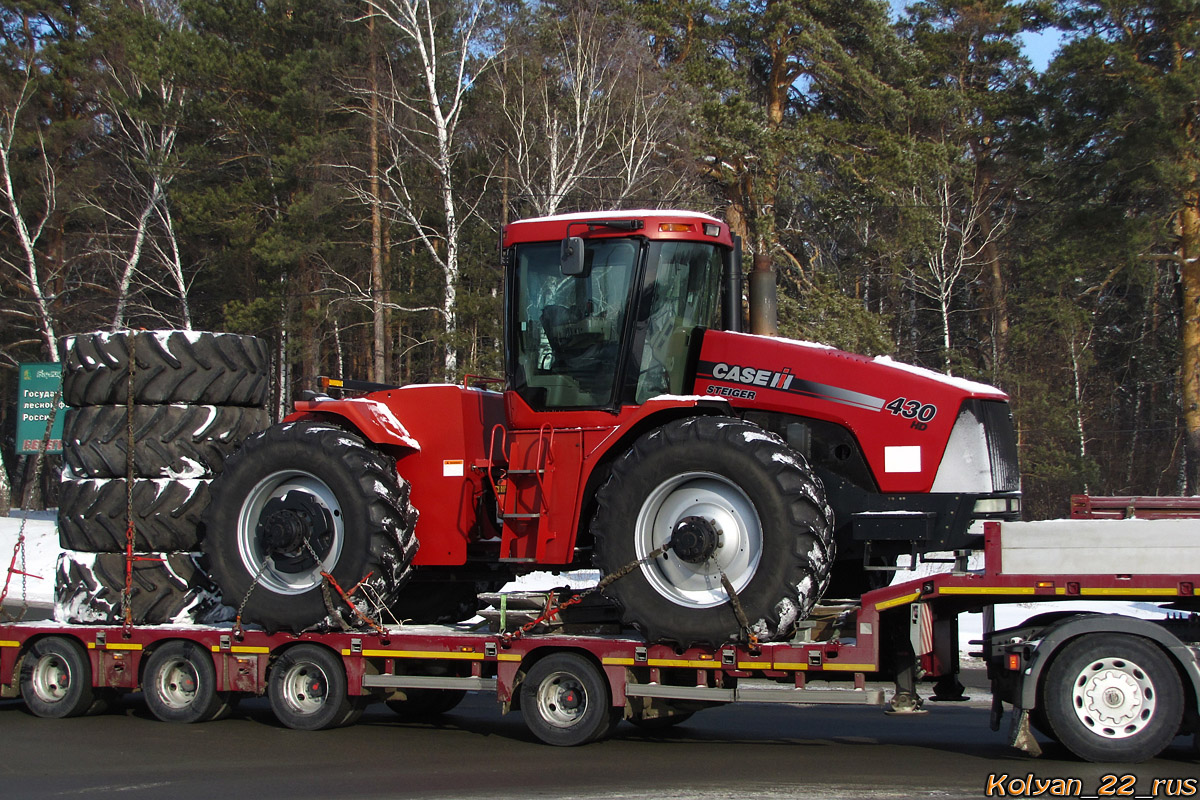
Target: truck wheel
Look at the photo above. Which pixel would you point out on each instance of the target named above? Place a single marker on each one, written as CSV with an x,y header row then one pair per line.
x,y
176,441
297,500
1113,697
565,701
167,513
172,367
180,684
307,688
56,680
732,498
425,704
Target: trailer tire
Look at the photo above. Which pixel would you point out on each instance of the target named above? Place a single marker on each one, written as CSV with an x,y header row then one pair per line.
x,y
93,514
421,705
1113,697
56,680
180,684
175,441
565,701
743,503
299,490
308,690
171,367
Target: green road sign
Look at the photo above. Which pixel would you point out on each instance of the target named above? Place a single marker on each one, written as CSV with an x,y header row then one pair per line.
x,y
39,385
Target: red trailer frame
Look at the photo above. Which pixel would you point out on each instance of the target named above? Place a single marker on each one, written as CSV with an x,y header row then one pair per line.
x,y
906,632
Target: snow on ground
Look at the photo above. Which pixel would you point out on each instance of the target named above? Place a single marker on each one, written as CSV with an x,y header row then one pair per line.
x,y
41,553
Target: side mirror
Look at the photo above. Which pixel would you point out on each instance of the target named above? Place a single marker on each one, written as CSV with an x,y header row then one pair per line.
x,y
570,256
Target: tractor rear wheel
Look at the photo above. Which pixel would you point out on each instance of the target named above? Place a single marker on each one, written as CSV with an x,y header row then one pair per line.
x,y
298,500
735,502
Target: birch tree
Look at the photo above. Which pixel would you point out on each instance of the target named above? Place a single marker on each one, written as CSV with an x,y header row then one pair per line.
x,y
143,101
423,89
30,211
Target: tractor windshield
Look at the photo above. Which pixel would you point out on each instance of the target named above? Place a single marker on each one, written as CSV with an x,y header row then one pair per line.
x,y
568,333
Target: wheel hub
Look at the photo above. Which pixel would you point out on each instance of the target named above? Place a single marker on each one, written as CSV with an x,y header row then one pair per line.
x,y
695,539
1114,698
289,527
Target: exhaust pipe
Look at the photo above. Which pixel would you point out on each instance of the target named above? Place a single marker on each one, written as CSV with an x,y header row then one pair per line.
x,y
731,302
764,302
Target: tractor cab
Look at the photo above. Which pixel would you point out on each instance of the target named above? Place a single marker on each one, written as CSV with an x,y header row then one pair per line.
x,y
605,310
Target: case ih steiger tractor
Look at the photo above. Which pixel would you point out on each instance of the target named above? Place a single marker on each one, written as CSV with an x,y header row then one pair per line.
x,y
637,424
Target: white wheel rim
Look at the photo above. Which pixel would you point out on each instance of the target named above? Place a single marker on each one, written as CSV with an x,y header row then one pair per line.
x,y
305,688
255,557
739,549
178,684
51,678
562,700
1114,698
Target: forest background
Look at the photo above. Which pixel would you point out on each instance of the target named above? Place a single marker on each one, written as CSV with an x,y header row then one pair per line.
x,y
332,175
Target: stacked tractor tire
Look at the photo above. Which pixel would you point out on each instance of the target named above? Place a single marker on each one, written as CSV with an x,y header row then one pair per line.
x,y
195,397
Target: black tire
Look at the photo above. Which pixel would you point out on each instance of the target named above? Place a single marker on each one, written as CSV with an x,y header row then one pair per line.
x,y
1113,697
172,367
307,687
422,705
180,684
749,505
565,701
167,514
314,483
56,679
175,441
165,587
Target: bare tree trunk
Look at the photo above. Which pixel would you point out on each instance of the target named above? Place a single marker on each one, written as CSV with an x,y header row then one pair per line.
x,y
378,301
1189,256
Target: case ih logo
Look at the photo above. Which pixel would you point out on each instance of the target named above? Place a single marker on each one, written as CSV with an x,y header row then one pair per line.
x,y
780,380
752,375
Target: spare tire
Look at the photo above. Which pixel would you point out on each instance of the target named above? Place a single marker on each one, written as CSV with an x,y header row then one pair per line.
x,y
734,500
164,587
175,441
298,500
171,367
92,514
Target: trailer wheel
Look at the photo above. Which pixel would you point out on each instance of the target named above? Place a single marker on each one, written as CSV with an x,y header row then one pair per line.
x,y
565,701
56,680
180,684
297,500
1113,697
425,704
307,688
731,498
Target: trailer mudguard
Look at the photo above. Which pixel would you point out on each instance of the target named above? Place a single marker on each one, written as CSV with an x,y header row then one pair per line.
x,y
1061,632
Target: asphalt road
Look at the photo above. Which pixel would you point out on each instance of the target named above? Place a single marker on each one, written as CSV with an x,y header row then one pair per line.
x,y
760,751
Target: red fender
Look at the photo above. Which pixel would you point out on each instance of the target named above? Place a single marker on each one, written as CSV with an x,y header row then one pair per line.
x,y
372,418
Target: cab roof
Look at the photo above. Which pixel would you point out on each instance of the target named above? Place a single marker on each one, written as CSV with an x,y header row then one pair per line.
x,y
655,224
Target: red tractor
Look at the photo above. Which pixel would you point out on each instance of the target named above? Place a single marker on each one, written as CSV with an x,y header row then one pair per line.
x,y
637,424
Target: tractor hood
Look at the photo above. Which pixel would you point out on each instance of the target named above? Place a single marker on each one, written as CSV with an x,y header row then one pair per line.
x,y
902,416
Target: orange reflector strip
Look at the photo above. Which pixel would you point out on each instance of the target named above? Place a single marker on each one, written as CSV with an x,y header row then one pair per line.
x,y
1014,661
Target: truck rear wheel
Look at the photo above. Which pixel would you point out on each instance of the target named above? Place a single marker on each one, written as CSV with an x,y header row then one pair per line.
x,y
565,701
308,690
1113,697
56,680
732,499
180,684
297,500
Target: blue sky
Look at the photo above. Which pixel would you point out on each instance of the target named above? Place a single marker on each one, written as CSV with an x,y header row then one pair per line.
x,y
1039,47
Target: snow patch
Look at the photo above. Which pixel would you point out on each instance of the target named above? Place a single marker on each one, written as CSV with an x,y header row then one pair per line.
x,y
973,387
191,469
206,424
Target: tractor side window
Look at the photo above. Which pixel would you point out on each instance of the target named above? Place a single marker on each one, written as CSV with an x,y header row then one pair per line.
x,y
685,297
569,328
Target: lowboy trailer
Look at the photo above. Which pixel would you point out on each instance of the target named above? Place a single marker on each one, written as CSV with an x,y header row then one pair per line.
x,y
1109,687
